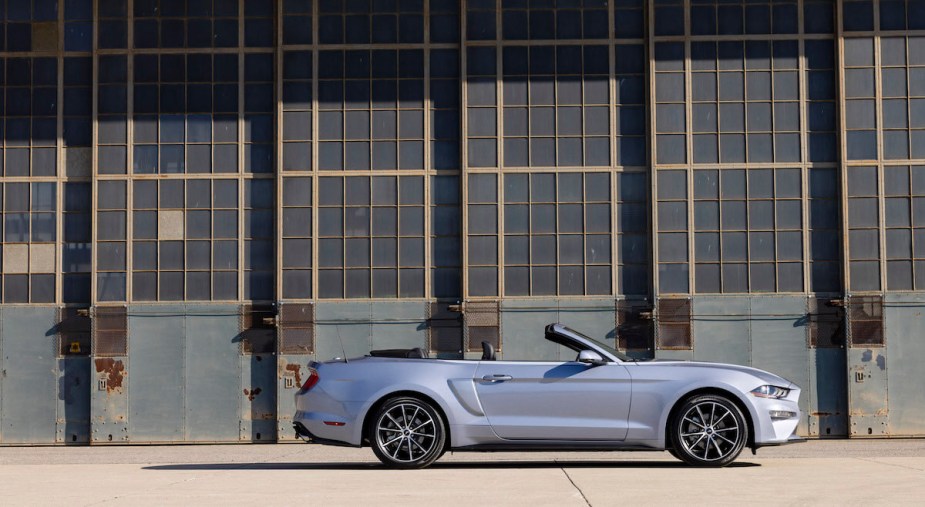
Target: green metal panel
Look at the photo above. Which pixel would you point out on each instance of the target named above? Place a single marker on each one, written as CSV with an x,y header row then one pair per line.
x,y
28,375
721,329
399,325
342,328
212,373
827,392
778,341
593,317
522,325
904,323
868,396
157,401
258,398
73,422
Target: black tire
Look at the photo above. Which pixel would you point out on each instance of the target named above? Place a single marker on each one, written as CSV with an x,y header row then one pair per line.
x,y
674,453
708,431
407,433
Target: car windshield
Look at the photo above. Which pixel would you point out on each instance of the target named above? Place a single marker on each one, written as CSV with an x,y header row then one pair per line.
x,y
607,348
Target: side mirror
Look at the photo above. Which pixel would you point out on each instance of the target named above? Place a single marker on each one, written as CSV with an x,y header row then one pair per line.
x,y
590,357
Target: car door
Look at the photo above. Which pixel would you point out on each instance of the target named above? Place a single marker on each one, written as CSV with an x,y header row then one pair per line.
x,y
555,400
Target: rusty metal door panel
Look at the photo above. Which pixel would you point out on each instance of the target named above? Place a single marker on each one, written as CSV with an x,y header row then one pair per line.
x,y
73,421
342,328
258,398
868,396
778,341
109,386
213,373
904,323
157,399
28,375
523,322
399,325
827,390
292,370
721,329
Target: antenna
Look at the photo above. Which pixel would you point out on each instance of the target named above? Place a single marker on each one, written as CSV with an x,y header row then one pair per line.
x,y
341,341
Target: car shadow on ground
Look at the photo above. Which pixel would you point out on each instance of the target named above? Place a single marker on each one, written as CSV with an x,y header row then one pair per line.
x,y
462,465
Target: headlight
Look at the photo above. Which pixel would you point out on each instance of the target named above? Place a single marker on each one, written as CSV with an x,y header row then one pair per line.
x,y
771,392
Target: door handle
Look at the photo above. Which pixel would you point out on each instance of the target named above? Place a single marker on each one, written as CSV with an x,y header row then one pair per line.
x,y
497,378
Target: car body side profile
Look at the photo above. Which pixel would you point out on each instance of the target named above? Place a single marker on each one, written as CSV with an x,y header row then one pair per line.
x,y
411,409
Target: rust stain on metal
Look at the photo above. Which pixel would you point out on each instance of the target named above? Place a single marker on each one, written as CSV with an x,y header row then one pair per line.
x,y
252,393
115,373
297,371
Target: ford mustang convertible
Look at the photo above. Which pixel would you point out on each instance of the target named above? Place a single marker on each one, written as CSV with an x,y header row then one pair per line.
x,y
411,409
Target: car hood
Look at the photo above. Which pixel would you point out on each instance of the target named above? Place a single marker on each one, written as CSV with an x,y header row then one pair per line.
x,y
762,375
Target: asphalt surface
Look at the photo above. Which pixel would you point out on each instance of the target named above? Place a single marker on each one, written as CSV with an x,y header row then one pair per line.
x,y
829,472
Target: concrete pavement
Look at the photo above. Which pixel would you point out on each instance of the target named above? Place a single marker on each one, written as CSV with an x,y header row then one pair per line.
x,y
879,472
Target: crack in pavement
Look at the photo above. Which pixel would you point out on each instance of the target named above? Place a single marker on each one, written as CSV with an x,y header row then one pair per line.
x,y
580,492
874,460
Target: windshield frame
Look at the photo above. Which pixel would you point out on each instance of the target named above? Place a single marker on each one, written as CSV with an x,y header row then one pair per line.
x,y
606,349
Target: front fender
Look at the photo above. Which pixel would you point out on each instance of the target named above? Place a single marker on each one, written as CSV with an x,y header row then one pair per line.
x,y
653,431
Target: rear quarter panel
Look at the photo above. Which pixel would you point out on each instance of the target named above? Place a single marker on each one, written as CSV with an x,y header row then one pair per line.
x,y
353,388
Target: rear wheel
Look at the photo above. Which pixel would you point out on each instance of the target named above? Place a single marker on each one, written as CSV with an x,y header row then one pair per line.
x,y
407,433
708,431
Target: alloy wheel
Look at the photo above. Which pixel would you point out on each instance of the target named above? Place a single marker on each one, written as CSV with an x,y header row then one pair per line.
x,y
406,433
709,431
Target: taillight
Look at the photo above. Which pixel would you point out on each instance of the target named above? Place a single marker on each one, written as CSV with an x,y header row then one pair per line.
x,y
310,382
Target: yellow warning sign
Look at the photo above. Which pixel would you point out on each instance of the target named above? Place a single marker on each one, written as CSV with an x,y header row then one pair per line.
x,y
75,347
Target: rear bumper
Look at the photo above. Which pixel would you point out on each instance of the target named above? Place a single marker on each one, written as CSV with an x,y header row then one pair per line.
x,y
302,432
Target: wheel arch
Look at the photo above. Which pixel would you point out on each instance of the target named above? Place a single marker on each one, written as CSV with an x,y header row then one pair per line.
x,y
368,417
736,400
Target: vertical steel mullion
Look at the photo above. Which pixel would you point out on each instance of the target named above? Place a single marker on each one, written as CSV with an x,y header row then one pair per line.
x,y
241,150
499,142
60,169
689,146
803,101
94,148
428,167
314,151
613,170
278,176
130,160
878,101
464,151
652,145
843,148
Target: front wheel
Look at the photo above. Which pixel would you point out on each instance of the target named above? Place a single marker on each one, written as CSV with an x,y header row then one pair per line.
x,y
709,431
407,433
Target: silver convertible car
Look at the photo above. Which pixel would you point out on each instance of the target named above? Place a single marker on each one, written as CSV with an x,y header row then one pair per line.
x,y
411,409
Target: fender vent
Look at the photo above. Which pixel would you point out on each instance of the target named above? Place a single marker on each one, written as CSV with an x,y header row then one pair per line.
x,y
674,324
